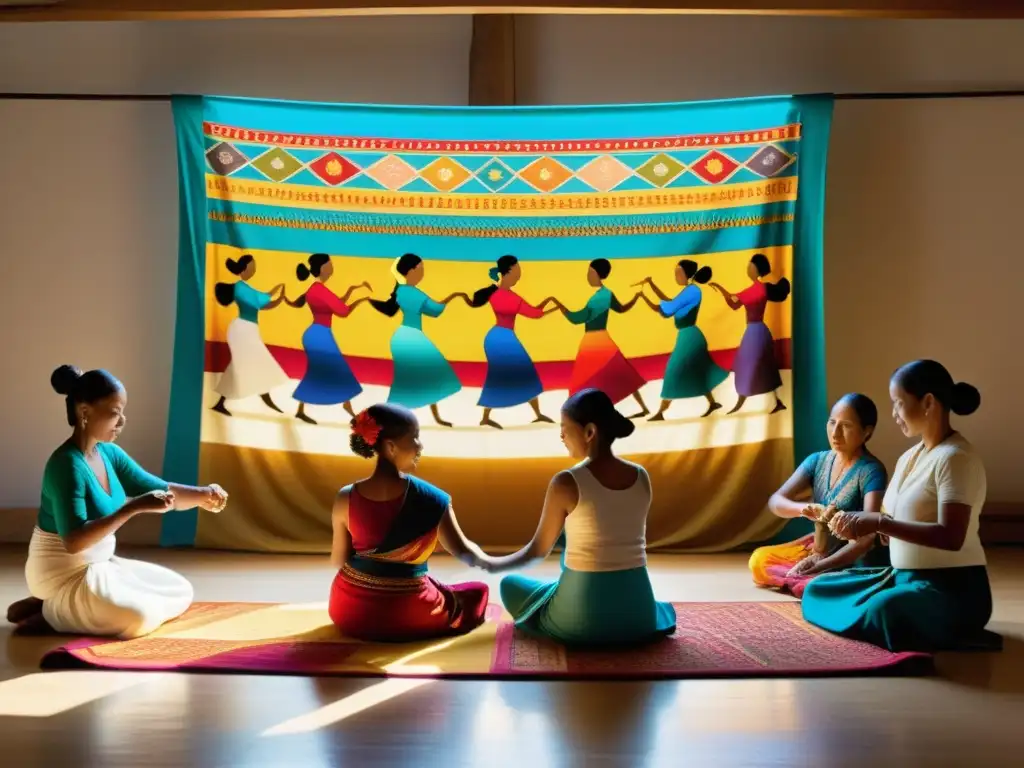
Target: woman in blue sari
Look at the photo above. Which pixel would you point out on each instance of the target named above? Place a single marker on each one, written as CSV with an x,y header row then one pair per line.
x,y
604,595
847,477
421,374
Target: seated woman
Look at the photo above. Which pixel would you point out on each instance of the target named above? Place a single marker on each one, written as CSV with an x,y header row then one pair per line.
x,y
936,595
91,487
385,528
604,595
846,478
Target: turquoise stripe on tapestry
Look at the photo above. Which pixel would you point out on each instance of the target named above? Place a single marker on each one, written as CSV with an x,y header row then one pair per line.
x,y
809,372
181,451
502,123
378,245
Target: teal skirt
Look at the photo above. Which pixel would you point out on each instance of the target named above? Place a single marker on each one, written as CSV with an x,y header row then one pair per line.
x,y
422,376
690,371
586,608
904,610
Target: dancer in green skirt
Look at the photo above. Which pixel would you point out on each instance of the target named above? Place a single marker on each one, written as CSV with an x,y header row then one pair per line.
x,y
936,595
690,371
604,595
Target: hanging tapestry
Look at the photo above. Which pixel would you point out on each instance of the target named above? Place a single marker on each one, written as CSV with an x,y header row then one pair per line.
x,y
477,266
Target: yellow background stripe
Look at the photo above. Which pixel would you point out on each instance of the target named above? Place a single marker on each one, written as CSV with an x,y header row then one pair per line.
x,y
459,332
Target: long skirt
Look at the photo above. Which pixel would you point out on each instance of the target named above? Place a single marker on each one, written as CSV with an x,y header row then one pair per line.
x,y
511,375
770,565
328,379
252,370
421,374
589,608
94,592
928,610
429,609
755,366
690,371
601,365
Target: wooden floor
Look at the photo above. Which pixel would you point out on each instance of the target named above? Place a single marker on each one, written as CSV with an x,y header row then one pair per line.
x,y
972,714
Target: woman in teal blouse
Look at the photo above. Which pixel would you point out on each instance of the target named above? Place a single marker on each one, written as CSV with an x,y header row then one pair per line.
x,y
91,487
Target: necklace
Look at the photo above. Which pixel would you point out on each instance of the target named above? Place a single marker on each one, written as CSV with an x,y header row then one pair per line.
x,y
838,469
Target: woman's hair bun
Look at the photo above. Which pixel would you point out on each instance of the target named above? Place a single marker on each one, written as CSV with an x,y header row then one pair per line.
x,y
64,378
965,400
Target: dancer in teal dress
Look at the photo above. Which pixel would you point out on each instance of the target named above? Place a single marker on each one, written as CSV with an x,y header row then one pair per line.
x,y
421,374
690,371
604,595
936,596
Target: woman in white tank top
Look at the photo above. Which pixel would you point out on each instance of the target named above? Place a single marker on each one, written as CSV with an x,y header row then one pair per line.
x,y
604,595
936,595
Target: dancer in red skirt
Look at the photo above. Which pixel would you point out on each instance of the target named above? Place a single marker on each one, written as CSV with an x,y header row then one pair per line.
x,y
385,528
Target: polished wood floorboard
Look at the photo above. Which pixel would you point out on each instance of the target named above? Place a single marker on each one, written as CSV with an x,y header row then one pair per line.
x,y
971,714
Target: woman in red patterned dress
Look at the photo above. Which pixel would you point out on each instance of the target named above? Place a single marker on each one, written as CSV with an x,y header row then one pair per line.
x,y
385,528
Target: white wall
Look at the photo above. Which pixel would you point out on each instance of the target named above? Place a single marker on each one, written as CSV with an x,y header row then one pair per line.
x,y
921,258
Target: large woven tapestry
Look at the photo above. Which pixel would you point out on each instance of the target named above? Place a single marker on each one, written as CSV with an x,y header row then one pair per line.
x,y
477,266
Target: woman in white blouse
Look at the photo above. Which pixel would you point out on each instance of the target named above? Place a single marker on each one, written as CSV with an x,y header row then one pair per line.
x,y
936,595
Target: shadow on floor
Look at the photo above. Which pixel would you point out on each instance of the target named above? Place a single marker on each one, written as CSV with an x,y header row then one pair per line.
x,y
1000,672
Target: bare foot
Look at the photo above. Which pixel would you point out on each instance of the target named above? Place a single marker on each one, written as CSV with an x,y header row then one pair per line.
x,y
659,416
265,397
490,423
779,406
711,409
542,419
220,408
640,414
302,416
22,609
736,407
437,416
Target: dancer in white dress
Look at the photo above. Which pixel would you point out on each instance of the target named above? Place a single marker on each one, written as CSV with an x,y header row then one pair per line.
x,y
252,370
91,487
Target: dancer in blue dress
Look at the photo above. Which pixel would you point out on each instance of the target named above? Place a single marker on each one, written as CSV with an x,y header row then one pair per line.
x,y
511,375
328,379
421,376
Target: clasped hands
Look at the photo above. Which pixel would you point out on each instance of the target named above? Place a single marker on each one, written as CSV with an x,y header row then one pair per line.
x,y
216,498
843,525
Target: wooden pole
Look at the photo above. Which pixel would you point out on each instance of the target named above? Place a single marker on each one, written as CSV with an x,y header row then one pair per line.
x,y
492,61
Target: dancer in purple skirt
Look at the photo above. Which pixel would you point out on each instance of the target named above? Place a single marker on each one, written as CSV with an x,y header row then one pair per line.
x,y
755,367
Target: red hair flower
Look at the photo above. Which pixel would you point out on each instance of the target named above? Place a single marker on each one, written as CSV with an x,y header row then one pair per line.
x,y
367,428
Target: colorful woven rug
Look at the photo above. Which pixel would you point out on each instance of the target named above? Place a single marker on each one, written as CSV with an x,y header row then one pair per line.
x,y
712,640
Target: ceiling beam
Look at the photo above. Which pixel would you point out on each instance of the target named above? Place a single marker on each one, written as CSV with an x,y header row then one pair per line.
x,y
492,61
151,10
